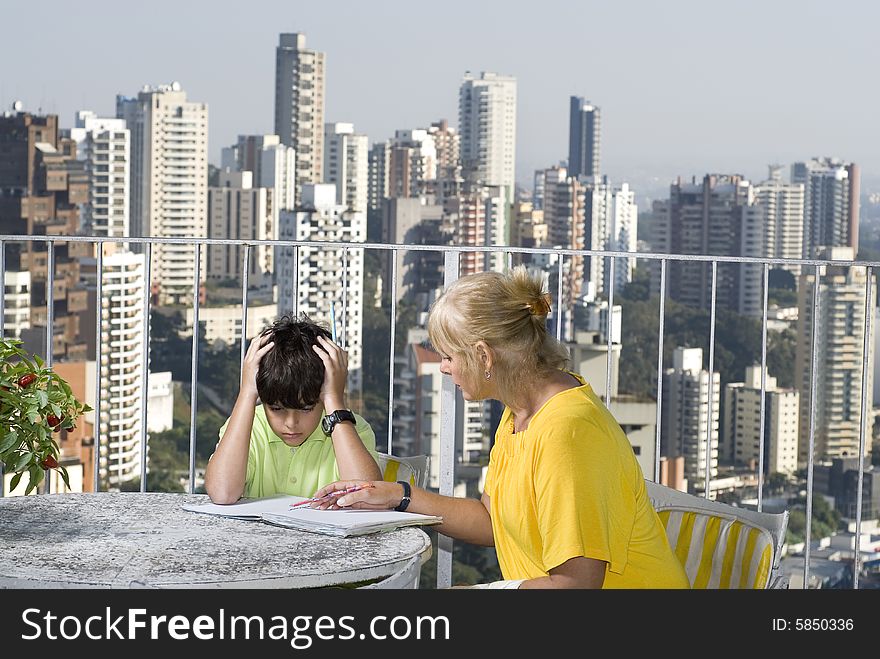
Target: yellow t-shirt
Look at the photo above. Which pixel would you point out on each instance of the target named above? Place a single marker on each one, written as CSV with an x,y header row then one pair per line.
x,y
570,486
273,467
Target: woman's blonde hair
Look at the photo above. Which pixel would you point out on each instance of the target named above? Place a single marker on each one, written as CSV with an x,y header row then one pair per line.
x,y
509,312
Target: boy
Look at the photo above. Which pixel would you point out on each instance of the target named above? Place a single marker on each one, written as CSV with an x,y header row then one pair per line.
x,y
302,436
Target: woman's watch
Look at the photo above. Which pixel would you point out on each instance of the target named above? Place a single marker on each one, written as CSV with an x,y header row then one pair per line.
x,y
407,494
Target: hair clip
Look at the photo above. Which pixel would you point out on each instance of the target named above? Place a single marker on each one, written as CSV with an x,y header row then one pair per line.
x,y
541,306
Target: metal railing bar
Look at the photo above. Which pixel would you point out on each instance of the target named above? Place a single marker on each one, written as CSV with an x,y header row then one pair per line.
x,y
863,420
295,301
710,411
559,314
145,363
814,355
99,349
763,412
194,370
393,339
610,329
50,327
50,304
245,280
345,298
450,410
659,415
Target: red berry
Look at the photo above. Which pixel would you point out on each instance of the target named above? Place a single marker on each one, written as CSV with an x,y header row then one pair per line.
x,y
49,462
26,379
54,422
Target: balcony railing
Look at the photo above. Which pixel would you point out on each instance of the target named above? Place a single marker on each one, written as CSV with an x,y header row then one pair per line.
x,y
450,401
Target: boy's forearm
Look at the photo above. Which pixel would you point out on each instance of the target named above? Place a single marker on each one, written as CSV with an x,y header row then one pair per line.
x,y
227,468
352,457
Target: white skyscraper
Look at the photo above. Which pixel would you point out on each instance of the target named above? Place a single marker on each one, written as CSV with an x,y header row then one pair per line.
x,y
839,383
105,146
310,278
299,104
121,363
346,165
685,425
487,123
611,216
772,227
741,440
169,182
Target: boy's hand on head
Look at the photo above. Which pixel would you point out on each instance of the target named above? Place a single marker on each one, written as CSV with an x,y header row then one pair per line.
x,y
335,373
259,347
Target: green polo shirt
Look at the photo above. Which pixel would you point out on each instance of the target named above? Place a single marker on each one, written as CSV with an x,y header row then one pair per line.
x,y
275,468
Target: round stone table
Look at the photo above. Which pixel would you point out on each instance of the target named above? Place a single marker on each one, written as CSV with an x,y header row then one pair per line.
x,y
146,540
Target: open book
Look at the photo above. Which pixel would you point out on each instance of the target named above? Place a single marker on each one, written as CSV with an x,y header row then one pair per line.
x,y
276,510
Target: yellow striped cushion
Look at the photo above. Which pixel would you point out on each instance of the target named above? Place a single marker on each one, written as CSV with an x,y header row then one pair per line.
x,y
719,552
393,468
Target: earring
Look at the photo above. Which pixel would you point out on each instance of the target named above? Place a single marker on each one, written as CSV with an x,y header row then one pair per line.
x,y
488,375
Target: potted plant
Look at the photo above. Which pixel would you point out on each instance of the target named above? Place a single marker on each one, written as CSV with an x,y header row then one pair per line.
x,y
35,403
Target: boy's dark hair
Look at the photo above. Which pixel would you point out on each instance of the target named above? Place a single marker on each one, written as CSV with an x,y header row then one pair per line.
x,y
291,373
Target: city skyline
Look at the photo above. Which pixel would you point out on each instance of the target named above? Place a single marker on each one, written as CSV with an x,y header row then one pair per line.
x,y
684,88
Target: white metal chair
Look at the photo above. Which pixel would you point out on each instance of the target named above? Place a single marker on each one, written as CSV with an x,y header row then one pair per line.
x,y
719,545
413,468
405,578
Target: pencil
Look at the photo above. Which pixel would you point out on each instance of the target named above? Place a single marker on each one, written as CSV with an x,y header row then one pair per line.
x,y
333,320
337,493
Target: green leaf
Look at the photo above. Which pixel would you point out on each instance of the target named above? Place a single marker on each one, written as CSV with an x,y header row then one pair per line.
x,y
15,480
23,461
43,397
39,361
8,441
64,476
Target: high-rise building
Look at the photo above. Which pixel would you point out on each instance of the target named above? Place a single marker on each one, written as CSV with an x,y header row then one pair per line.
x,y
686,425
702,218
740,442
346,165
121,363
273,165
840,323
104,144
169,182
584,133
409,221
43,188
238,210
413,163
487,122
611,218
772,227
299,104
831,203
311,278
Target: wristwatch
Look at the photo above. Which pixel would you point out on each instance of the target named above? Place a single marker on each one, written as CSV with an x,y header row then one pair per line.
x,y
407,497
329,422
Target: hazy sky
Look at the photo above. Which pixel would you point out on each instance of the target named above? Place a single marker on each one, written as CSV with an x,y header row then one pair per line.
x,y
685,86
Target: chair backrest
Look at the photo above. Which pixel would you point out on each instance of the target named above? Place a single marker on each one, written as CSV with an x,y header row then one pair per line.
x,y
407,577
719,545
413,468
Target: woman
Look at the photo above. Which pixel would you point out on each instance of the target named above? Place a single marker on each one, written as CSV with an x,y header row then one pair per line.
x,y
564,503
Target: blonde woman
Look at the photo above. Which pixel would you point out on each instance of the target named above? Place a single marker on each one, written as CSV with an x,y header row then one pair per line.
x,y
564,503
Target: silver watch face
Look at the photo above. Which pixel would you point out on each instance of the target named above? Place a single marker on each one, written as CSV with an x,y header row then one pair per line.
x,y
327,424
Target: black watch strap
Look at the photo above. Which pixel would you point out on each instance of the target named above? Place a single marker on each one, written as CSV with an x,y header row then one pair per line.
x,y
407,494
329,422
